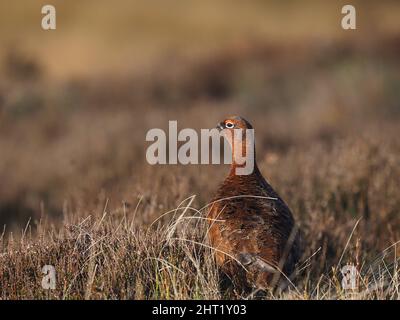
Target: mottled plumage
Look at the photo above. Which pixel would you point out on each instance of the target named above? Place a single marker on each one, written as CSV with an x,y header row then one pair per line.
x,y
251,228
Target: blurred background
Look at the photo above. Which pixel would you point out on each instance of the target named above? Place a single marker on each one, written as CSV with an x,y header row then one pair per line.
x,y
76,103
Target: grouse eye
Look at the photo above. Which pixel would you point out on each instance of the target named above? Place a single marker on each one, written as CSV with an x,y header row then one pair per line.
x,y
229,125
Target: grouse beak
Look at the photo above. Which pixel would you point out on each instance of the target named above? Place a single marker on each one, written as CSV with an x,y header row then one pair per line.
x,y
220,126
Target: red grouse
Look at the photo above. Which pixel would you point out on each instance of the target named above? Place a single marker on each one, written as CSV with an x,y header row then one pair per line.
x,y
252,230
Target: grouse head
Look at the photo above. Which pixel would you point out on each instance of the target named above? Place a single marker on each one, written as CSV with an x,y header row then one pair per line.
x,y
240,135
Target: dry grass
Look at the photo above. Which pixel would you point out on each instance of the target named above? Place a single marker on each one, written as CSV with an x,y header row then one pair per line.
x,y
76,191
113,252
107,256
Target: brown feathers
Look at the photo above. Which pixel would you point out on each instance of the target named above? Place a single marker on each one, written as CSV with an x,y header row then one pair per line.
x,y
251,228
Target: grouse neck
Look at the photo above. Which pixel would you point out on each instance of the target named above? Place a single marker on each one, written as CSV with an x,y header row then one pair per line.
x,y
243,154
233,172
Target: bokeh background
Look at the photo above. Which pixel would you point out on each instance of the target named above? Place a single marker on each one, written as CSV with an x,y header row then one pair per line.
x,y
76,103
